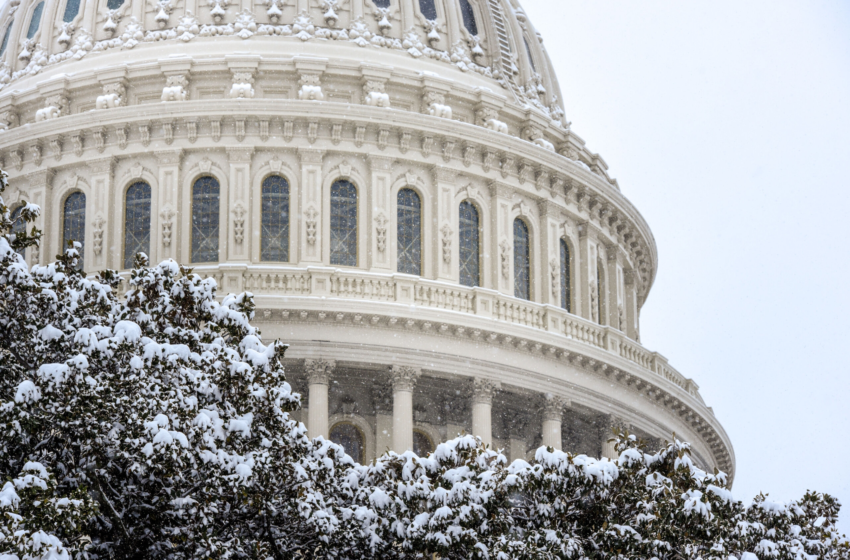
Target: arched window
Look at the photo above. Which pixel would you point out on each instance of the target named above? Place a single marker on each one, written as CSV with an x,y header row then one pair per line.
x,y
205,209
19,225
74,222
343,223
274,235
114,4
137,222
35,20
422,444
468,17
409,232
566,295
6,35
522,260
600,291
381,3
350,438
470,245
72,8
428,9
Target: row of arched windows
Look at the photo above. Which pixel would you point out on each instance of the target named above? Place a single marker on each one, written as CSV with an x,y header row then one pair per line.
x,y
275,225
350,437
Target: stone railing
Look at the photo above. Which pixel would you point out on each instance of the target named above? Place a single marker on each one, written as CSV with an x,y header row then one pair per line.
x,y
413,290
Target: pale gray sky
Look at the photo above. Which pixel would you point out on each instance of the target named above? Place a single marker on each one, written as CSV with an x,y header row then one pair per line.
x,y
727,123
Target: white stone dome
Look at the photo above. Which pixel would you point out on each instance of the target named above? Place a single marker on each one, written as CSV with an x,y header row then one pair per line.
x,y
394,180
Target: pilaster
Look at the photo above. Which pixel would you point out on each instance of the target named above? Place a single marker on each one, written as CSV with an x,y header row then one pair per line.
x,y
614,289
239,220
502,238
166,209
550,261
586,271
444,242
312,231
380,216
101,230
40,192
631,305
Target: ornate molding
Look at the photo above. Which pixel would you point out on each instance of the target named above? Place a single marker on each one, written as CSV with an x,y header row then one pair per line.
x,y
404,378
319,371
483,390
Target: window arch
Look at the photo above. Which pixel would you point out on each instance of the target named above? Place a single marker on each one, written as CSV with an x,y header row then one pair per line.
x,y
72,8
344,223
35,20
522,260
6,35
566,283
74,223
468,17
350,438
137,222
600,292
114,4
381,3
422,444
428,9
409,236
469,249
205,213
19,225
274,233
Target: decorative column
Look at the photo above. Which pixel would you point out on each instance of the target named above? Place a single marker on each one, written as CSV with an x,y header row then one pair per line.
x,y
631,305
403,379
587,273
312,238
382,400
482,406
550,261
516,428
166,210
502,231
102,221
611,425
553,415
380,221
616,309
445,237
318,375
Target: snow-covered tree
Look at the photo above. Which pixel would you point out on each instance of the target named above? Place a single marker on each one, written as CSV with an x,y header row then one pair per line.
x,y
156,425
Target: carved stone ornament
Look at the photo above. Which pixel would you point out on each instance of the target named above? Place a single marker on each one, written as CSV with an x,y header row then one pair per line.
x,y
205,165
375,95
113,96
239,223
594,308
621,318
167,216
275,164
311,88
218,10
555,273
312,224
344,169
176,89
446,230
505,255
243,85
97,236
55,106
381,232
435,105
553,408
274,10
483,390
319,371
329,8
404,378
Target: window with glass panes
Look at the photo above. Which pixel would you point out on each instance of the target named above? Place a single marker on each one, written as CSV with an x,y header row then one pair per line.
x,y
274,233
469,249
205,216
137,222
522,260
343,223
409,236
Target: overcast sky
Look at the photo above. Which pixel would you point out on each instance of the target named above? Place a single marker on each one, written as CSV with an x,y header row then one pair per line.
x,y
727,123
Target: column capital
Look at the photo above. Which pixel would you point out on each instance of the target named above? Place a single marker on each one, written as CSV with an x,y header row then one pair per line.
x,y
319,371
404,378
483,390
553,408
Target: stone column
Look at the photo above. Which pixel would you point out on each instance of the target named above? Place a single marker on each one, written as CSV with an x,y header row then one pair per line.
x,y
615,303
382,400
631,305
553,413
550,253
318,375
403,379
587,272
482,405
611,425
517,442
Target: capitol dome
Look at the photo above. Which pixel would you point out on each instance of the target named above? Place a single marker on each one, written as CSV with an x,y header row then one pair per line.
x,y
396,183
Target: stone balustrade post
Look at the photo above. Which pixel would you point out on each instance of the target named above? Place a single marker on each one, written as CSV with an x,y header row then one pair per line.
x,y
403,380
482,406
318,376
553,415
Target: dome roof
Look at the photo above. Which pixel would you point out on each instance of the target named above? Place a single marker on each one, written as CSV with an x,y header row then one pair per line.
x,y
492,39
